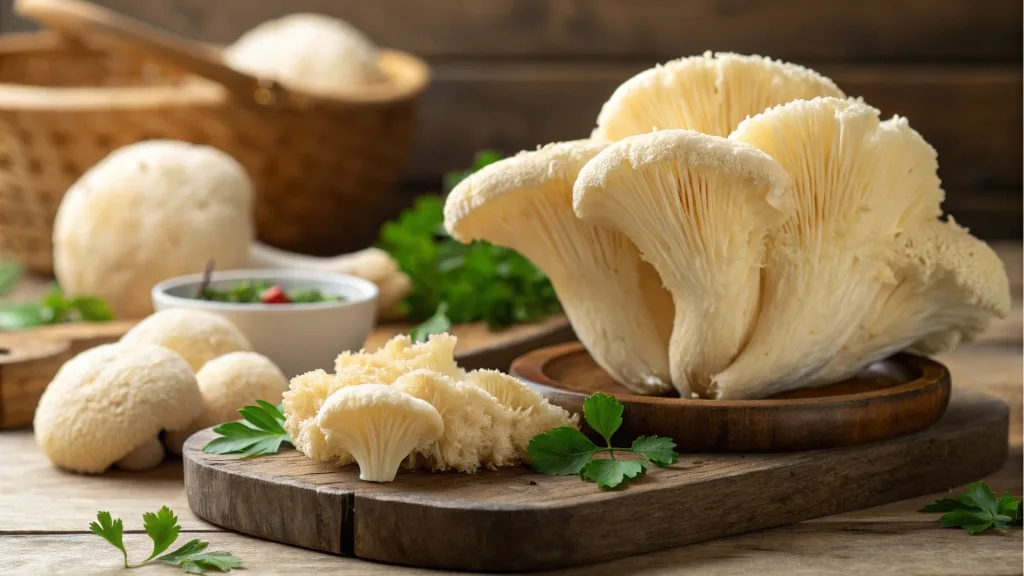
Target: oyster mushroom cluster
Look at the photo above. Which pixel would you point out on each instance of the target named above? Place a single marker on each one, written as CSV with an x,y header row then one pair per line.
x,y
410,404
736,227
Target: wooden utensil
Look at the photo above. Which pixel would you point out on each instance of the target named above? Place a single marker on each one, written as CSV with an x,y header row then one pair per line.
x,y
898,396
515,519
29,360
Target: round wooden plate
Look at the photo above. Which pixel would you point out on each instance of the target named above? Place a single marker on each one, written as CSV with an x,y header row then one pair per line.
x,y
891,398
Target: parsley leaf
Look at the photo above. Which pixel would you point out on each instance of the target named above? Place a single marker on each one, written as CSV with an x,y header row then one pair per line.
x,y
163,529
609,473
563,451
479,282
604,414
110,530
977,510
54,308
659,451
436,324
261,433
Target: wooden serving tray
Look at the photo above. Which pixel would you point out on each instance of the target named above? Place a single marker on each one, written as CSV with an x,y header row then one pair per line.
x,y
896,396
515,519
30,359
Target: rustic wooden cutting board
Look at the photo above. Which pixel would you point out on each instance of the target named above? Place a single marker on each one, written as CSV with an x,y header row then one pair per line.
x,y
30,359
515,519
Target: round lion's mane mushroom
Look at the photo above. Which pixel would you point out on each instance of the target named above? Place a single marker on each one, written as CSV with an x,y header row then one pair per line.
x,y
108,405
196,335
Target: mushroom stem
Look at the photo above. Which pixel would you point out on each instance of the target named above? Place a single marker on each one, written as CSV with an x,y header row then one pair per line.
x,y
148,455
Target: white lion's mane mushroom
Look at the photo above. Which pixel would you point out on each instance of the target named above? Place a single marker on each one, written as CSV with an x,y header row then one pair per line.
x,y
196,335
711,93
311,52
858,183
107,406
477,430
698,207
949,286
149,212
228,383
379,426
614,300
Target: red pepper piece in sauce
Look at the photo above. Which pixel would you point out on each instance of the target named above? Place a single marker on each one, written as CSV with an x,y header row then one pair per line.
x,y
274,295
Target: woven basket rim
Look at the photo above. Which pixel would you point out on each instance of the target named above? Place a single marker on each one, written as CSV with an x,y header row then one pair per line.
x,y
408,73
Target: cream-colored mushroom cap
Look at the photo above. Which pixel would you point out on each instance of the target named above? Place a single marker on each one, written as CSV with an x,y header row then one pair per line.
x,y
711,93
148,212
857,183
471,433
698,207
196,335
310,52
379,426
949,286
111,400
533,413
614,300
400,355
228,383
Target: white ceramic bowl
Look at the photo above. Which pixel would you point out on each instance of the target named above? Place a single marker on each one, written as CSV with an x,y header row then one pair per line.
x,y
297,337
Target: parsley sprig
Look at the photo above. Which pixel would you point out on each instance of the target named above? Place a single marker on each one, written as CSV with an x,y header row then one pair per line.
x,y
477,282
260,433
54,308
162,528
977,510
565,450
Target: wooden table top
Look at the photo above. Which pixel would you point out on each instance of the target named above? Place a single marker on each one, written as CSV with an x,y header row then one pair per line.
x,y
44,513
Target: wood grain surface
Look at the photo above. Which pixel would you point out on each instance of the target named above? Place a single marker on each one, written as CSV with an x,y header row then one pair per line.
x,y
515,519
897,396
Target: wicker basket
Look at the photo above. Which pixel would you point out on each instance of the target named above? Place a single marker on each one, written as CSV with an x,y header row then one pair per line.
x,y
325,172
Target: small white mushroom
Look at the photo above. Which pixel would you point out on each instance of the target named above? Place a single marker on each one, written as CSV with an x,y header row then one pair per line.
x,y
108,405
196,335
228,383
379,426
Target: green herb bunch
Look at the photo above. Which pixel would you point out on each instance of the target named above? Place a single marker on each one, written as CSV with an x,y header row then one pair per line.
x,y
977,510
54,308
455,283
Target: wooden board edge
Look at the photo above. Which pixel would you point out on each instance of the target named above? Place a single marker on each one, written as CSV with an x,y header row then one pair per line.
x,y
540,538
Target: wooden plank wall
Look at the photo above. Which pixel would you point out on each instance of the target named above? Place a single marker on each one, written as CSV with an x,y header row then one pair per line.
x,y
511,74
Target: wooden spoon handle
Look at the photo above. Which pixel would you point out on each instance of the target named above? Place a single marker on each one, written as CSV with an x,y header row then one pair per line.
x,y
84,19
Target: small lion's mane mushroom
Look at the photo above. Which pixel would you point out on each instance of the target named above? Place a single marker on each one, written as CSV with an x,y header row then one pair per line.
x,y
698,207
471,432
533,414
613,299
711,93
107,407
196,335
857,183
228,383
949,286
379,426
